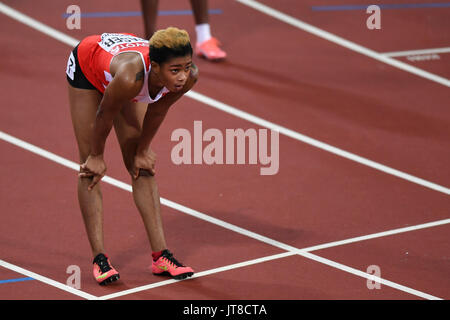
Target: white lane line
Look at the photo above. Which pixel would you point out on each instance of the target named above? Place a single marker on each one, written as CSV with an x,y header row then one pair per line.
x,y
368,276
306,254
71,41
226,225
343,42
198,275
416,52
46,280
125,186
299,252
378,235
202,216
244,115
35,24
290,249
39,151
315,143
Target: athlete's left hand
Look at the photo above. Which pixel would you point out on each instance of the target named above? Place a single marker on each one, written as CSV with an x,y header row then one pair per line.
x,y
144,164
94,168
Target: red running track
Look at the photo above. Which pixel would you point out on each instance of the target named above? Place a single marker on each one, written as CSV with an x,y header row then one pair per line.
x,y
276,72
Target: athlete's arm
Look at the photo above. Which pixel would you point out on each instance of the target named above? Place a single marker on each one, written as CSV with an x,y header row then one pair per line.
x,y
125,85
154,116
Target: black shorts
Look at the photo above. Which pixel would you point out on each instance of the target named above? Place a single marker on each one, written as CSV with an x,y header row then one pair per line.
x,y
74,75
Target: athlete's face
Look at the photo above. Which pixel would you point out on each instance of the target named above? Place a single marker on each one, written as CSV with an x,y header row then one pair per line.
x,y
175,72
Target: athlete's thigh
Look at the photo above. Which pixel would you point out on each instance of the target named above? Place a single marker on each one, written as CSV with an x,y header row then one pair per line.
x,y
83,110
128,127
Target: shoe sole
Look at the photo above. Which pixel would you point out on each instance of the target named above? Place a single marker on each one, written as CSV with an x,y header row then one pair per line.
x,y
202,55
109,280
177,277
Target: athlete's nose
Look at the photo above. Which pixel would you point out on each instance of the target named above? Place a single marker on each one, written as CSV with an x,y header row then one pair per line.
x,y
182,77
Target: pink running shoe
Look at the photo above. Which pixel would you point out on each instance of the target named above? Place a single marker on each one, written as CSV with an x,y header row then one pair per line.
x,y
103,272
210,50
168,265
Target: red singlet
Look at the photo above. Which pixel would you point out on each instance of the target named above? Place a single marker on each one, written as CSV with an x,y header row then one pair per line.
x,y
96,52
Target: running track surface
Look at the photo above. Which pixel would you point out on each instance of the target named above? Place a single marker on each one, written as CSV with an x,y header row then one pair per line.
x,y
248,236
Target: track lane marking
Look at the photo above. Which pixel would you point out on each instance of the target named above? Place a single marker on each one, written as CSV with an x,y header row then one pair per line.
x,y
315,143
37,25
343,42
367,276
415,52
290,250
71,41
198,275
378,235
33,23
46,280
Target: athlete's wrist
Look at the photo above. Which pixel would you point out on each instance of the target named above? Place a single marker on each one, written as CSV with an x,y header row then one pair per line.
x,y
142,148
96,155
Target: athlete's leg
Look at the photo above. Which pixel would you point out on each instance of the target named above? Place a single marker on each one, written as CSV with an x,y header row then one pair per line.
x,y
83,108
150,14
200,10
128,126
206,45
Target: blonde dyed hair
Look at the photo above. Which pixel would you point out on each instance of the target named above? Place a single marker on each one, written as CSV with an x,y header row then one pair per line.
x,y
169,43
171,37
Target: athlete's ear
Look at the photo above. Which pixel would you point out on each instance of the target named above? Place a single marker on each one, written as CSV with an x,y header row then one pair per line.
x,y
155,66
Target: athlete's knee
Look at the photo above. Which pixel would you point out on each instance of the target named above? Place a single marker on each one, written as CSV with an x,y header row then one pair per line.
x,y
144,173
128,162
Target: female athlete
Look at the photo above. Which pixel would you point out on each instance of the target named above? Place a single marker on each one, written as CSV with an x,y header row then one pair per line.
x,y
120,80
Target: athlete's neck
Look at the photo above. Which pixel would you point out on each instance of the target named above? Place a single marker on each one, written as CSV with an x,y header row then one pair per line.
x,y
154,84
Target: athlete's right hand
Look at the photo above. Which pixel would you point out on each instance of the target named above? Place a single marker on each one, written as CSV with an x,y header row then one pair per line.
x,y
94,168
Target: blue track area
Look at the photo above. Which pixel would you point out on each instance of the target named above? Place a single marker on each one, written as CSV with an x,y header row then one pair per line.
x,y
137,13
16,280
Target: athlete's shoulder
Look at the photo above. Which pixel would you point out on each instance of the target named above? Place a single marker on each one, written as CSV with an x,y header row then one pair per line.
x,y
127,81
127,62
194,72
193,77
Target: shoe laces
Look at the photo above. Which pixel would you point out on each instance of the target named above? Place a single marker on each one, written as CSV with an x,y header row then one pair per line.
x,y
102,263
169,257
212,43
215,41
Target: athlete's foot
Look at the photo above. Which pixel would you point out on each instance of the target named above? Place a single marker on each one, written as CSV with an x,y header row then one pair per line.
x,y
210,50
103,272
166,264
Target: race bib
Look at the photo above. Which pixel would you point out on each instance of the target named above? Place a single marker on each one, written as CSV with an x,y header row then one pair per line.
x,y
115,42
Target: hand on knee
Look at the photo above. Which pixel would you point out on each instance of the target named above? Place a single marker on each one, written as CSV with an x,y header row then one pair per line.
x,y
144,165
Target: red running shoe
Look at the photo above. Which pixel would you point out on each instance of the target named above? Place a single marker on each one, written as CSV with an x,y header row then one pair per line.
x,y
168,265
210,50
103,272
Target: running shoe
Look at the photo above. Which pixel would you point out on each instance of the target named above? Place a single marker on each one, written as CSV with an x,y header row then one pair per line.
x,y
103,272
166,264
210,50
